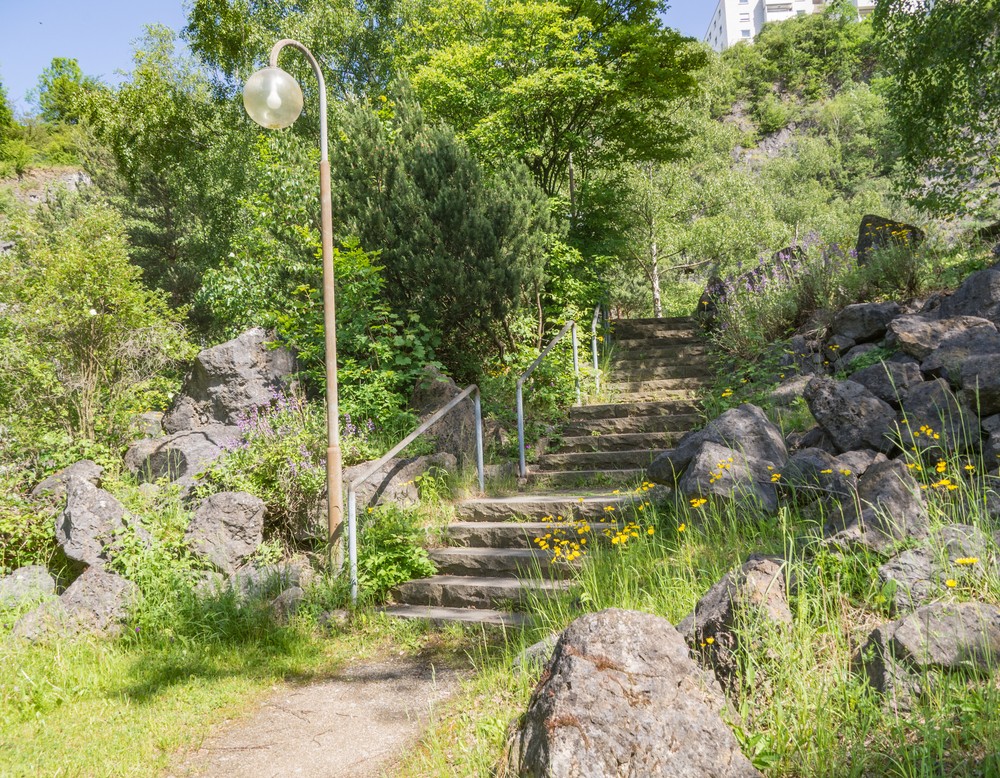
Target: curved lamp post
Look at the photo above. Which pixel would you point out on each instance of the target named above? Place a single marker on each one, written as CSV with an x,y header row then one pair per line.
x,y
274,100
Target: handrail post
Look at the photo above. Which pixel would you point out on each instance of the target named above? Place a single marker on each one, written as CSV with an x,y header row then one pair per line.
x,y
478,406
352,540
522,465
576,365
593,344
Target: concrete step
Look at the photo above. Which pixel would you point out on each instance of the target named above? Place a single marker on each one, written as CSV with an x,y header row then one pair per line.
x,y
658,385
538,507
644,328
581,479
438,615
630,348
595,460
674,355
628,441
674,422
658,396
663,372
516,562
623,410
510,534
467,591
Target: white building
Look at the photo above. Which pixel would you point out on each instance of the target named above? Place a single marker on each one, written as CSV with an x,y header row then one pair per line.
x,y
741,20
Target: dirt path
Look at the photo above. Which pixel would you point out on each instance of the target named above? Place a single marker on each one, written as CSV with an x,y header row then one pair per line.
x,y
354,726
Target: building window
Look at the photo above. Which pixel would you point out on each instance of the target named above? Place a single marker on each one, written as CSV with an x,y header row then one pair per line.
x,y
744,2
745,33
745,17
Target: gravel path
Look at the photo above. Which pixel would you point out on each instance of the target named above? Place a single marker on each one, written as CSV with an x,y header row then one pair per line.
x,y
356,725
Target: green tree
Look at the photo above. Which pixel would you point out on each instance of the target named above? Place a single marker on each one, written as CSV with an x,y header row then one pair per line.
x,y
944,97
6,114
82,341
552,84
62,91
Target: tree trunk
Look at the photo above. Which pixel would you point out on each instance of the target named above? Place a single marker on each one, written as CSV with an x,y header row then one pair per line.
x,y
654,259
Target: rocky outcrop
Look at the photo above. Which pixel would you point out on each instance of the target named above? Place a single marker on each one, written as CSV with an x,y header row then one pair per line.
x,y
180,456
851,416
979,295
455,433
55,485
91,523
877,232
864,322
226,528
621,696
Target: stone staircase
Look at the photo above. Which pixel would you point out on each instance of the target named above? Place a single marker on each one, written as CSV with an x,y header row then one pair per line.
x,y
492,564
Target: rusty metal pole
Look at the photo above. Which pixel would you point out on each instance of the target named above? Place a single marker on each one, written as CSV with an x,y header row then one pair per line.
x,y
334,469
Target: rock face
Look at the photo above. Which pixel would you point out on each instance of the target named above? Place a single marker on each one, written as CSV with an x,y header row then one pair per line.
x,y
180,456
456,432
931,405
229,380
943,637
851,416
55,485
979,295
621,697
889,381
876,232
26,585
755,591
227,528
864,322
980,378
96,602
919,336
87,527
724,472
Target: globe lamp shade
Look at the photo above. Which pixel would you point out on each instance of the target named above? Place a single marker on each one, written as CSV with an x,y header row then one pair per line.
x,y
272,98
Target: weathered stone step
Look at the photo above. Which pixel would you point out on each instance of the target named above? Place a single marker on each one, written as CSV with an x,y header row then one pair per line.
x,y
511,534
669,422
644,328
658,396
538,507
438,615
595,460
664,371
639,360
621,410
658,385
659,343
467,591
580,479
517,562
628,441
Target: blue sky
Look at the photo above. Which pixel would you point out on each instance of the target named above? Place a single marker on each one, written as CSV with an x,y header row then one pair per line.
x,y
100,33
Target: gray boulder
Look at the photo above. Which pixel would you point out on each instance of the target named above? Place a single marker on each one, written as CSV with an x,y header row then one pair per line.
x,y
919,336
745,429
26,585
980,378
851,416
745,601
55,485
96,602
856,463
455,433
226,528
979,295
864,322
88,527
180,456
889,508
718,471
948,426
877,232
889,381
622,697
229,380
812,473
537,655
270,580
286,605
947,360
900,657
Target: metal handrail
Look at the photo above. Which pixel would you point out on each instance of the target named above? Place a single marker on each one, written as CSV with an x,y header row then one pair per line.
x,y
570,326
352,523
593,343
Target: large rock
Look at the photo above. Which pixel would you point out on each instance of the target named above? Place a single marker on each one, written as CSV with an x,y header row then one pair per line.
x,y
55,485
229,380
947,360
622,697
851,416
182,455
455,433
864,322
980,378
718,471
26,585
396,482
745,601
979,295
877,232
936,422
226,528
889,381
919,336
745,429
941,637
890,508
90,524
812,473
96,602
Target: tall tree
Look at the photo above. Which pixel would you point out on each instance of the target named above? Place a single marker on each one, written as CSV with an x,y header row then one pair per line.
x,y
944,97
547,82
6,114
62,91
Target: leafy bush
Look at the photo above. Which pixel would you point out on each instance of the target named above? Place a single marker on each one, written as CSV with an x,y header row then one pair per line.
x,y
389,551
27,534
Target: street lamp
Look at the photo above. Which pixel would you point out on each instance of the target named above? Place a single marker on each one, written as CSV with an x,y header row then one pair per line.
x,y
274,100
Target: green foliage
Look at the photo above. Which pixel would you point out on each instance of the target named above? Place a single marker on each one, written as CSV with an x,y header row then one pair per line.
x,y
6,114
27,535
62,92
85,345
540,81
389,551
944,98
17,155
